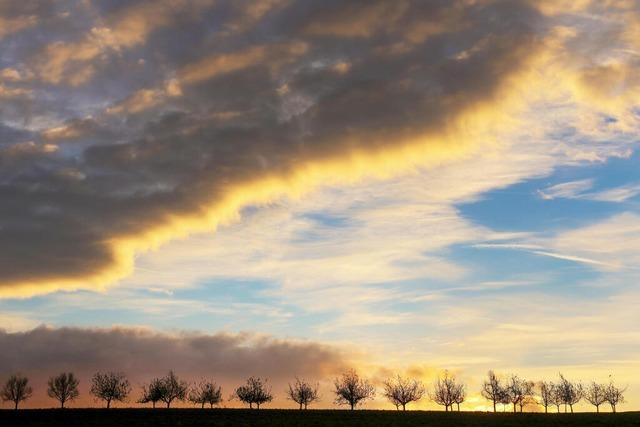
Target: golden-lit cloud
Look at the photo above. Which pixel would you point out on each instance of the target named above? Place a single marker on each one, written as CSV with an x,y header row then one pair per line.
x,y
305,121
12,25
72,62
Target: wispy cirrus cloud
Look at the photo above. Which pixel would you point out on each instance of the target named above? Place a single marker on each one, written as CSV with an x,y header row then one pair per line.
x,y
611,244
581,190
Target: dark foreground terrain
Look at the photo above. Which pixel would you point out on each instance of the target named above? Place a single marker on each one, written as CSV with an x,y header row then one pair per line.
x,y
274,417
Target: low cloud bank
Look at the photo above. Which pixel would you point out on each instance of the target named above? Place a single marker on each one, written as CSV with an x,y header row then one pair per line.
x,y
142,354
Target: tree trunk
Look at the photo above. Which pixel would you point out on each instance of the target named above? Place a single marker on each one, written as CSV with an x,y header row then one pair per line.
x,y
154,405
352,406
250,405
300,406
514,408
202,405
546,409
168,405
16,405
108,404
494,406
571,406
62,404
613,408
305,406
597,409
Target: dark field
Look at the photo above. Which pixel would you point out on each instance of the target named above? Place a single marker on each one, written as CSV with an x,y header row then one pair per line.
x,y
274,417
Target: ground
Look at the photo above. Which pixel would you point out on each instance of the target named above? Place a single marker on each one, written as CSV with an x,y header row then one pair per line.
x,y
274,417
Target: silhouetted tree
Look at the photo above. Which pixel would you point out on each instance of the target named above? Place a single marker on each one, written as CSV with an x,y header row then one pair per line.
x,y
614,395
152,392
557,398
255,391
110,386
505,399
206,392
445,391
16,390
402,391
303,393
460,394
519,392
547,395
172,389
63,388
596,394
493,390
570,393
351,390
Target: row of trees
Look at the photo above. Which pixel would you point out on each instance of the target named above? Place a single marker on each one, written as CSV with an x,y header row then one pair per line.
x,y
349,389
520,393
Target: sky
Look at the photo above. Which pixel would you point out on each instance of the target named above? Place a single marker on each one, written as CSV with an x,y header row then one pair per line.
x,y
282,188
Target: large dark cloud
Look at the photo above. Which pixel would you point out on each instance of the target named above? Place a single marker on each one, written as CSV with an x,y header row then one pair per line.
x,y
142,355
298,83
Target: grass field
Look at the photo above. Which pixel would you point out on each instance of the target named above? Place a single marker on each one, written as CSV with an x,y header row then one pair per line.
x,y
274,417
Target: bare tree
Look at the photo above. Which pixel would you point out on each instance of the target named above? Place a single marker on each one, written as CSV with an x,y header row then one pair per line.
x,y
152,392
557,398
547,395
255,391
63,388
596,394
505,398
16,390
614,395
493,390
460,394
206,392
519,392
172,389
402,391
351,390
445,391
110,386
303,393
570,393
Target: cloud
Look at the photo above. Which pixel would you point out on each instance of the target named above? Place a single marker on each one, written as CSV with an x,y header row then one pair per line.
x,y
18,16
202,132
143,354
74,62
569,190
608,245
580,190
617,194
613,242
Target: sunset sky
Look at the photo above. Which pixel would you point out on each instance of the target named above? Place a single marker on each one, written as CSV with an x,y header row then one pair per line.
x,y
280,188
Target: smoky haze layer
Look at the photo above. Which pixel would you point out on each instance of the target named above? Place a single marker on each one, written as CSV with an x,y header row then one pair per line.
x,y
142,354
113,128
